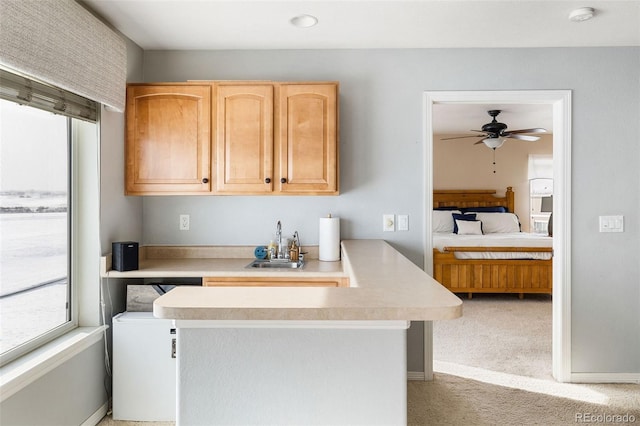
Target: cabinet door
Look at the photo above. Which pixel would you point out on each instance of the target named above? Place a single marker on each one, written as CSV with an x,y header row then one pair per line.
x,y
168,139
307,156
244,138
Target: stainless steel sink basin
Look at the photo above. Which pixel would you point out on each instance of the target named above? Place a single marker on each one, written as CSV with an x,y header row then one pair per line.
x,y
275,263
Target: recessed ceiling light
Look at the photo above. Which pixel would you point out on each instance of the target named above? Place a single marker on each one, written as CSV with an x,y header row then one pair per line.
x,y
304,21
581,14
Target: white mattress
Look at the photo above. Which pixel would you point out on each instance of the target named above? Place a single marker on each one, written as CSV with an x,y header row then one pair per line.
x,y
517,239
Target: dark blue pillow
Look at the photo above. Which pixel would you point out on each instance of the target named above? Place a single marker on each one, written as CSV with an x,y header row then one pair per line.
x,y
446,208
488,209
458,216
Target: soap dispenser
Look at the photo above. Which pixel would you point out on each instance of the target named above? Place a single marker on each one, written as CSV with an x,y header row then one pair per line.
x,y
294,251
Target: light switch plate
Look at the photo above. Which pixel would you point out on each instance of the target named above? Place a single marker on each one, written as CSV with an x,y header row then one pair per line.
x,y
611,223
388,222
403,222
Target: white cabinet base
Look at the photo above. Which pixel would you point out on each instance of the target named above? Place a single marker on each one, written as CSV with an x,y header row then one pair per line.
x,y
292,375
144,373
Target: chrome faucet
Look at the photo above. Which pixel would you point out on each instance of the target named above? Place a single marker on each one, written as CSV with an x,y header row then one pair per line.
x,y
279,237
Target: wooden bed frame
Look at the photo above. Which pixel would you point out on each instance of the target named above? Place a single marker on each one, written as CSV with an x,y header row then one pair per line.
x,y
488,275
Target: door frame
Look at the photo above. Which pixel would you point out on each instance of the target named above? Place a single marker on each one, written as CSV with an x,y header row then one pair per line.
x,y
560,101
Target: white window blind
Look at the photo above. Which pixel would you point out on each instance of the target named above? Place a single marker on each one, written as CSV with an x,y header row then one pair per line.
x,y
60,43
25,91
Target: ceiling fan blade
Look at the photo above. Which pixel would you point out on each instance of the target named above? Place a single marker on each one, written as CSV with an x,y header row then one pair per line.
x,y
479,142
534,130
523,137
462,137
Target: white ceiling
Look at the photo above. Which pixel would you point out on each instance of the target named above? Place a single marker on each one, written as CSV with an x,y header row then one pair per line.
x,y
264,24
458,119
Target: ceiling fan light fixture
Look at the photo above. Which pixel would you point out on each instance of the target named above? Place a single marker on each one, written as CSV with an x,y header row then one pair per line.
x,y
582,14
494,143
304,21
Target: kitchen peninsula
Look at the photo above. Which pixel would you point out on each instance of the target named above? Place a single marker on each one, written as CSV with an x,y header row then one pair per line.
x,y
297,354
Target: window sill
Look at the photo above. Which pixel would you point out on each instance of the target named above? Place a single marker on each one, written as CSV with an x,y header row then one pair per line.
x,y
25,370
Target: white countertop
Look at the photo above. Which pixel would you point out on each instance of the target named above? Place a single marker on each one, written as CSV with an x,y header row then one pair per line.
x,y
214,261
223,267
384,285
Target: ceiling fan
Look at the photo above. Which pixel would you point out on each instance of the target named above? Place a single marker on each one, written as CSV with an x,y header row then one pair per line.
x,y
494,134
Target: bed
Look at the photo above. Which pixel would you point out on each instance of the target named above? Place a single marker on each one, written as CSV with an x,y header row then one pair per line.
x,y
487,253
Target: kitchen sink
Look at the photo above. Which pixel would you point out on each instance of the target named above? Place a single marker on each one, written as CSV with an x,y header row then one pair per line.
x,y
275,263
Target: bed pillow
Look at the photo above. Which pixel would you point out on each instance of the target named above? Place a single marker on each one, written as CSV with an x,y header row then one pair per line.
x,y
460,216
488,209
494,223
442,221
469,227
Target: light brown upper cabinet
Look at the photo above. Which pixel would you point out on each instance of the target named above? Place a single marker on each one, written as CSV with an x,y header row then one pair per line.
x,y
306,158
244,138
168,139
268,138
276,138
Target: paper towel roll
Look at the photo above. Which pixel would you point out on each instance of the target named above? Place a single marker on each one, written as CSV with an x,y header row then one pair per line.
x,y
329,242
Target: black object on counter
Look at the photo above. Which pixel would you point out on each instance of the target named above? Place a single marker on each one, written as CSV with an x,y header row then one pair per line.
x,y
124,256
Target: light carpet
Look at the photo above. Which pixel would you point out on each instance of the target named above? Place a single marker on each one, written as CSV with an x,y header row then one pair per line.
x,y
493,367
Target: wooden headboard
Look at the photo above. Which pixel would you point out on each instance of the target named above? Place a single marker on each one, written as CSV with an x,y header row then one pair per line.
x,y
473,198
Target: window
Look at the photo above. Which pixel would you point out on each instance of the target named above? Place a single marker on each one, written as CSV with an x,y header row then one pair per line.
x,y
540,171
36,285
540,189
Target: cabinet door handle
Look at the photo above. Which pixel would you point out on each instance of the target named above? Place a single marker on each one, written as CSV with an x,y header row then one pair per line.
x,y
267,180
205,180
283,180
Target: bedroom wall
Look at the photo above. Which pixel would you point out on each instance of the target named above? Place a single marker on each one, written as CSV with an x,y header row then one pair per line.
x,y
381,153
460,164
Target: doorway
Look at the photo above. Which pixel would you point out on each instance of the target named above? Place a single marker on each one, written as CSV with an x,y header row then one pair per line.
x,y
560,101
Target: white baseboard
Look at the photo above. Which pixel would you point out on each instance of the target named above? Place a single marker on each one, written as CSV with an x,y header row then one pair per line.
x,y
97,416
605,378
575,377
415,375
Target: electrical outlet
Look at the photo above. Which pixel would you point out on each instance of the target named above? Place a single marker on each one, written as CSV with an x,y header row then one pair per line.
x,y
184,222
403,222
388,223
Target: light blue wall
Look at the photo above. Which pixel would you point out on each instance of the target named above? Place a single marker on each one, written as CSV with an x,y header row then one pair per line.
x,y
120,216
381,153
67,395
